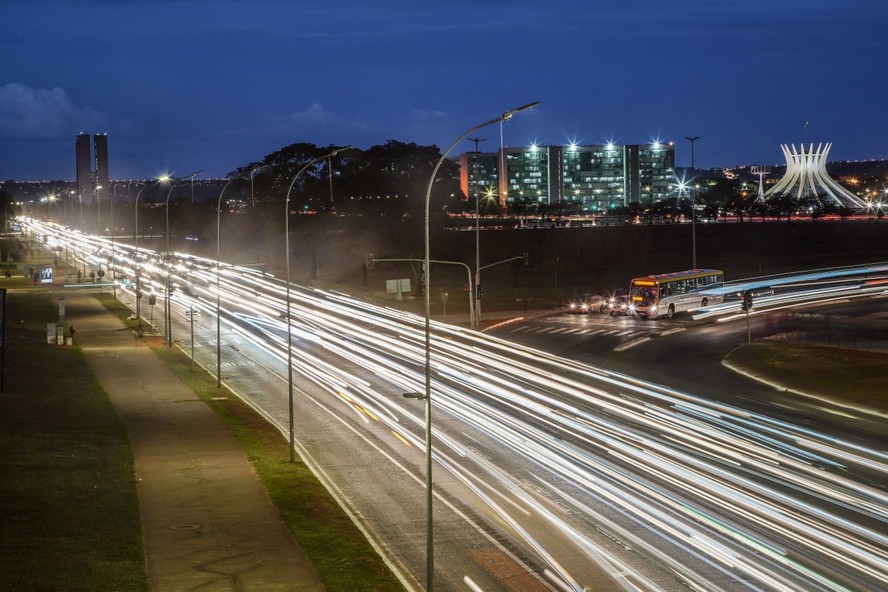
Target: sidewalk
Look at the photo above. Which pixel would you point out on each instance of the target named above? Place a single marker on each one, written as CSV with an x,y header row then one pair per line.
x,y
207,521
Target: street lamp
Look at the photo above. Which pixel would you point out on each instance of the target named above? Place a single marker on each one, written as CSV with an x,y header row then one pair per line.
x,y
477,317
693,139
192,182
98,210
81,208
254,171
169,317
65,199
430,556
113,256
287,250
218,311
50,199
489,194
161,179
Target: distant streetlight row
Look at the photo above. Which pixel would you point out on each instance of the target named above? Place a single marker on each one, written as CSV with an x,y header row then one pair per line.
x,y
426,395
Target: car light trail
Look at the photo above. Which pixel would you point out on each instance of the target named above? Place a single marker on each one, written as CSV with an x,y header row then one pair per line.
x,y
558,452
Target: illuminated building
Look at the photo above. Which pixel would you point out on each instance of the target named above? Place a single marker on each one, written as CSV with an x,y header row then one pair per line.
x,y
102,180
92,184
580,178
84,168
806,177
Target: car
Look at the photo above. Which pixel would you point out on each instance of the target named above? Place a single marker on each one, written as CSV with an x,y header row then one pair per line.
x,y
586,304
614,296
577,307
619,306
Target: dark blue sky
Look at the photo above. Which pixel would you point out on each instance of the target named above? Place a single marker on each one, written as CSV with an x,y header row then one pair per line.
x,y
182,86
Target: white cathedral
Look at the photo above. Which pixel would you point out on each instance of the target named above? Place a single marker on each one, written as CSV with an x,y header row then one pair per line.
x,y
806,176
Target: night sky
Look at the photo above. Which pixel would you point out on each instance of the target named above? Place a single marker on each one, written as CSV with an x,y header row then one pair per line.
x,y
214,85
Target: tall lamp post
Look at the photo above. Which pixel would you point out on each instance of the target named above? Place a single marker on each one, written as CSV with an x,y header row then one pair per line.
x,y
167,313
192,182
218,310
253,172
68,215
81,209
430,547
50,199
136,233
287,250
477,317
113,256
693,139
98,210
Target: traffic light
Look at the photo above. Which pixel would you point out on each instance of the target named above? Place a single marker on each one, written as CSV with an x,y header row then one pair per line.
x,y
479,292
370,261
747,301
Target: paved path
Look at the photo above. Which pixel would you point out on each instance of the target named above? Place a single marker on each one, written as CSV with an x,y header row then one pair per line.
x,y
208,523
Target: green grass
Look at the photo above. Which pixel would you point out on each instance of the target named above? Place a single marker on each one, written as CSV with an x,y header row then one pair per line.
x,y
340,553
855,377
343,558
68,493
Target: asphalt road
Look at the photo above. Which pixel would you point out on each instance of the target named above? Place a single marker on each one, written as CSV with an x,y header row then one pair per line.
x,y
687,355
548,474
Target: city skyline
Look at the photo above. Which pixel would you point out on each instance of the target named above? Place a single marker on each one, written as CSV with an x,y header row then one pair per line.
x,y
178,88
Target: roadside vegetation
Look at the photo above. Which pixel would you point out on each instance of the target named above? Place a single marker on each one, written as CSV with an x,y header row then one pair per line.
x,y
67,463
342,556
854,377
68,492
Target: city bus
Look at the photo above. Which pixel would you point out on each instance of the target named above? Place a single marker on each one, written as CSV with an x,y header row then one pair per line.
x,y
665,294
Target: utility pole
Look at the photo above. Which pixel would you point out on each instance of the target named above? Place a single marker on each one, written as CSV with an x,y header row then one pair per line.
x,y
693,139
477,293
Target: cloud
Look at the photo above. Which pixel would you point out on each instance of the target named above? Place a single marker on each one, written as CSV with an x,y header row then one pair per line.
x,y
317,123
314,115
424,115
38,114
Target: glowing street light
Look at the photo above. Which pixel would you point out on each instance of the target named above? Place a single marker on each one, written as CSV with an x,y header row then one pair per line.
x,y
287,250
98,210
168,314
161,179
489,194
54,198
218,309
430,563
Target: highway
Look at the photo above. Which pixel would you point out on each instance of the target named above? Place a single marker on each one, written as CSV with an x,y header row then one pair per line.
x,y
687,354
550,473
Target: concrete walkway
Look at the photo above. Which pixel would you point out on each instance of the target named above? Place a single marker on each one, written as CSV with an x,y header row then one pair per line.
x,y
207,521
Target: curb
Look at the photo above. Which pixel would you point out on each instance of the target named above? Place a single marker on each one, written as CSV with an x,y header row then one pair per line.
x,y
783,388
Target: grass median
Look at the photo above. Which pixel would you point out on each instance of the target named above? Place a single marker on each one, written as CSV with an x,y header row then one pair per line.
x,y
342,556
68,491
853,377
857,377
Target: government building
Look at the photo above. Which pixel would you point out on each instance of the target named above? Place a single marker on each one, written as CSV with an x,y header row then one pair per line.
x,y
578,178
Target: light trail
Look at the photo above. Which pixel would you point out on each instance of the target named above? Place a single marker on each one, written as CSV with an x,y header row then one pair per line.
x,y
559,452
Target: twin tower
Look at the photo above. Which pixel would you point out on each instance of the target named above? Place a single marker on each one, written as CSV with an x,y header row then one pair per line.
x,y
92,184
